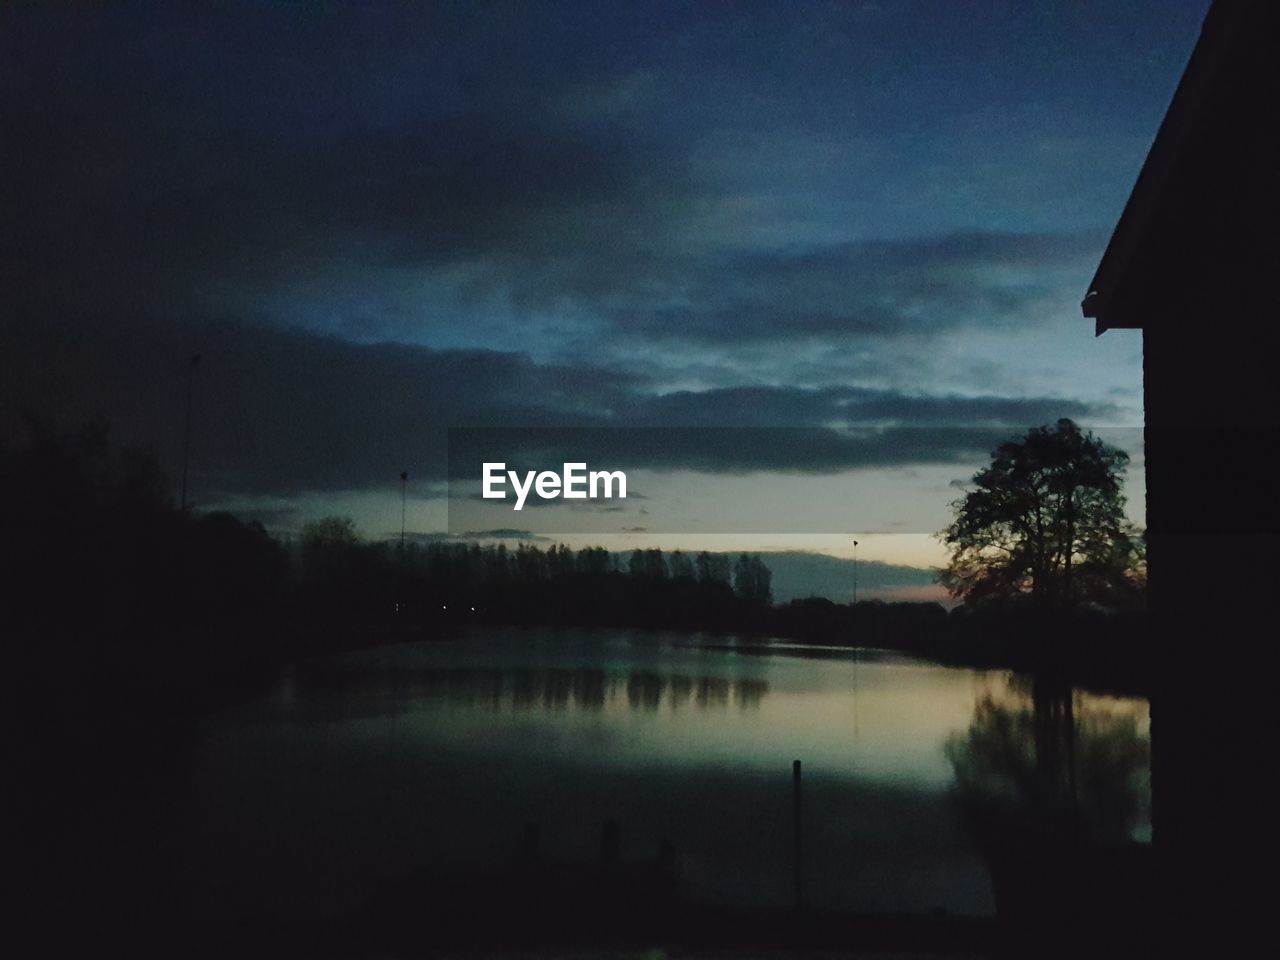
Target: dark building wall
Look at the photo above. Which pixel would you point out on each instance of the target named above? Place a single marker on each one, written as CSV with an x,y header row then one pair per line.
x,y
1205,285
1195,262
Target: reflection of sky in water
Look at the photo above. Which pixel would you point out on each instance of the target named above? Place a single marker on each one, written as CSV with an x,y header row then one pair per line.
x,y
664,700
376,759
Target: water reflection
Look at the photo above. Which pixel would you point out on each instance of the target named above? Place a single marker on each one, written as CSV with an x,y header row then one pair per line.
x,y
550,689
361,769
1044,758
1055,788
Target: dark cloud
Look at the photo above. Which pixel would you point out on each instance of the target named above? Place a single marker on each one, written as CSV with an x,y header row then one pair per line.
x,y
283,411
207,219
904,289
798,574
503,533
377,166
377,222
833,406
535,502
177,161
718,449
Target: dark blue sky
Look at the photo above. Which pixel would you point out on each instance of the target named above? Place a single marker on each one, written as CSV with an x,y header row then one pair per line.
x,y
379,220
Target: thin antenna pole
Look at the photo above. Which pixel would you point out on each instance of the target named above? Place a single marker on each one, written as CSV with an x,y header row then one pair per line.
x,y
797,822
404,479
855,571
856,652
186,432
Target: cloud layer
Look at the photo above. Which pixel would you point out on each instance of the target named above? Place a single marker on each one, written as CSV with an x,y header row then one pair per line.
x,y
378,222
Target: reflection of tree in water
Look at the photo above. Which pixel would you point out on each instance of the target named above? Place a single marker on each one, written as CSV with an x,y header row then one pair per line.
x,y
589,688
748,693
1052,786
712,692
645,690
681,690
1044,762
524,687
558,689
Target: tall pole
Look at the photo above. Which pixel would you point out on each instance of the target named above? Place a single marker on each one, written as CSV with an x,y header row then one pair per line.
x,y
186,433
400,590
404,479
797,836
855,572
856,656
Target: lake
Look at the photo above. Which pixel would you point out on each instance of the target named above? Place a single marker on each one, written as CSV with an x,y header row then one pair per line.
x,y
362,769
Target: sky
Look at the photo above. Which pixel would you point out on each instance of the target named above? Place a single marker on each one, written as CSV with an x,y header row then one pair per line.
x,y
377,222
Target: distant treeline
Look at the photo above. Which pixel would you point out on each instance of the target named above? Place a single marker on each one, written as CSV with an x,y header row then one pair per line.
x,y
102,567
588,587
105,577
102,570
1105,649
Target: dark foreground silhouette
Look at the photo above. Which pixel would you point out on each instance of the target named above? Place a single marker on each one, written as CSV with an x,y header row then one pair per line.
x,y
128,617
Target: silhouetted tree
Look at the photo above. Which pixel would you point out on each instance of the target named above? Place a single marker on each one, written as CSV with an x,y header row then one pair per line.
x,y
560,561
648,565
1046,520
713,567
531,563
328,545
752,579
594,561
681,565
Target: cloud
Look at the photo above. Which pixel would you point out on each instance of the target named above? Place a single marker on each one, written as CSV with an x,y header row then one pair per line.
x,y
504,533
187,163
355,185
372,233
798,574
906,288
283,411
769,406
279,411
467,479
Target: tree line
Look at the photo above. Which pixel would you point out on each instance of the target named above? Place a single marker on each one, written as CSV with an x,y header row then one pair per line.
x,y
103,570
1045,522
528,583
100,564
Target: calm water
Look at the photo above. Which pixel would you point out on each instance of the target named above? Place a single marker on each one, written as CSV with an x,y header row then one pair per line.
x,y
363,769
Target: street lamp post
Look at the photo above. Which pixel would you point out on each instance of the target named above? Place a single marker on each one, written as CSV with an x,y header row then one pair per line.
x,y
855,572
404,479
186,432
402,577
